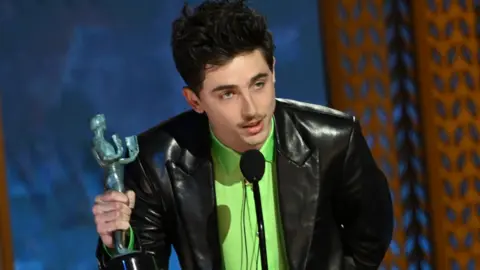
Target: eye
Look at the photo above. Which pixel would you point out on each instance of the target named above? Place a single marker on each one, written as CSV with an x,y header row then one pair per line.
x,y
227,95
259,85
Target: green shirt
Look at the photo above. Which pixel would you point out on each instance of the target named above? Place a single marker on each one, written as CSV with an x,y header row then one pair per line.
x,y
237,221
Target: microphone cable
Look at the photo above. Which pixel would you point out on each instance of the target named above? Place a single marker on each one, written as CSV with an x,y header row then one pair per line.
x,y
244,248
249,263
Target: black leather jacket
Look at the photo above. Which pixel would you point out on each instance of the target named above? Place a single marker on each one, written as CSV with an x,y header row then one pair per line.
x,y
334,202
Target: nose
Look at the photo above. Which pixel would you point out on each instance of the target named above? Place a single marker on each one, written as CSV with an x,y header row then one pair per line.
x,y
249,109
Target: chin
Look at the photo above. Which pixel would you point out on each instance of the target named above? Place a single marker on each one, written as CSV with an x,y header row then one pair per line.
x,y
258,139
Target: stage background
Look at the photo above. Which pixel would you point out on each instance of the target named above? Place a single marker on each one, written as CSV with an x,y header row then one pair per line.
x,y
409,70
62,61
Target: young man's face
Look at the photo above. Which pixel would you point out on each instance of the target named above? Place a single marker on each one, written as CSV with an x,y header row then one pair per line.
x,y
239,100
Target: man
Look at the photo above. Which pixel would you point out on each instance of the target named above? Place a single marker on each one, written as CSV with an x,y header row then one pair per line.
x,y
326,204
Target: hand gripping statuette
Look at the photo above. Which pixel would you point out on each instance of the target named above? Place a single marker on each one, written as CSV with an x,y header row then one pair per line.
x,y
111,159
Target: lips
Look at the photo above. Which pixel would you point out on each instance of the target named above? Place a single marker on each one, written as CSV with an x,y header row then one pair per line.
x,y
254,128
252,124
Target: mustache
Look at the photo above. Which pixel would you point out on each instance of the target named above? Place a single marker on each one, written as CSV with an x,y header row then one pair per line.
x,y
251,120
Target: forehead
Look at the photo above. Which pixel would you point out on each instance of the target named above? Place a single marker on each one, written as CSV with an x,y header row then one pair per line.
x,y
238,71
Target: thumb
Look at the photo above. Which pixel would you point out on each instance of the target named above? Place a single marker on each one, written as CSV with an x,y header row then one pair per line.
x,y
107,240
131,199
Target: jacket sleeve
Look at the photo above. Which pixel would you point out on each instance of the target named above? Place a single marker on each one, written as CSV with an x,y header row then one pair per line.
x,y
148,220
363,205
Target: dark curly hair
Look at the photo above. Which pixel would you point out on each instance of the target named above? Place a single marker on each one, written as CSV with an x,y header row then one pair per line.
x,y
214,33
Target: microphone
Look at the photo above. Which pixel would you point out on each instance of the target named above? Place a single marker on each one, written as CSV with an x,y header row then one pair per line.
x,y
252,165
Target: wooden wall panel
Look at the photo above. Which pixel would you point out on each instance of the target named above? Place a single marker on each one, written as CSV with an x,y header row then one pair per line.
x,y
448,63
371,74
356,62
6,254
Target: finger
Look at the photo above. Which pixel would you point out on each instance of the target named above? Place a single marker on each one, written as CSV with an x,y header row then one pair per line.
x,y
107,239
103,228
115,196
100,209
112,196
117,225
131,199
100,198
106,217
123,214
109,227
104,197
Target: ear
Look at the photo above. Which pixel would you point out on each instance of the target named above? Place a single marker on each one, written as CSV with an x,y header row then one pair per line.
x,y
192,99
274,62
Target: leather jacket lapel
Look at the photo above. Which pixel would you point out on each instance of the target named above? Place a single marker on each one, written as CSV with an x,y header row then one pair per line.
x,y
193,188
298,188
195,198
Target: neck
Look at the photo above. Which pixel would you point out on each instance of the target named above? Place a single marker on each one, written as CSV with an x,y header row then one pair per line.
x,y
99,134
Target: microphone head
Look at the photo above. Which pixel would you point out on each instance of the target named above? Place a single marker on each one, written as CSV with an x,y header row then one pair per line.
x,y
252,165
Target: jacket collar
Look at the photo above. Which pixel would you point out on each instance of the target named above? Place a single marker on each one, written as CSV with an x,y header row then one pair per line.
x,y
289,141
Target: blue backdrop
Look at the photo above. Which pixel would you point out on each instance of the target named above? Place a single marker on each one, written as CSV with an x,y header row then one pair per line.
x,y
61,61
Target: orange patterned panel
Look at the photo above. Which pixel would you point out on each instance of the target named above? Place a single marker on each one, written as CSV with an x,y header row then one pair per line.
x,y
448,59
357,52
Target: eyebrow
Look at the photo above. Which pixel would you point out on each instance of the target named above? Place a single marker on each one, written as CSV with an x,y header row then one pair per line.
x,y
230,86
